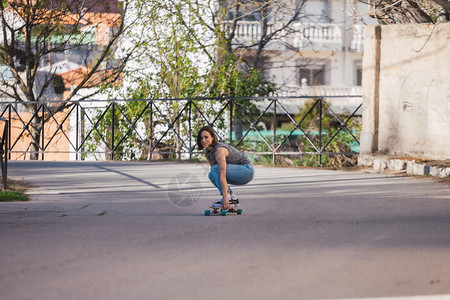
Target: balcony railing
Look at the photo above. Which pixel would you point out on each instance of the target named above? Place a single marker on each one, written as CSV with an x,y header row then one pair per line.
x,y
323,90
316,33
304,34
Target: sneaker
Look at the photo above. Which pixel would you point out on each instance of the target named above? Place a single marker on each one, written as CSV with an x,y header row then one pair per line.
x,y
234,201
218,203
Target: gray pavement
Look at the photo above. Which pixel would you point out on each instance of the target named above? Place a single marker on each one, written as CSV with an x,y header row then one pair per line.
x,y
110,230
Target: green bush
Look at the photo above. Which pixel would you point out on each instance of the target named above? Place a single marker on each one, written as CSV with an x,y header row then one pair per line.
x,y
9,196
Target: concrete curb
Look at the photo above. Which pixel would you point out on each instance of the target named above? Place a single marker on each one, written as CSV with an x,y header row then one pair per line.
x,y
411,167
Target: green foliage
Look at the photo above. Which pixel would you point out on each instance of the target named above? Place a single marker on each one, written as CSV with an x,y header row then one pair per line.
x,y
335,139
178,67
229,81
181,69
9,196
126,143
304,137
161,126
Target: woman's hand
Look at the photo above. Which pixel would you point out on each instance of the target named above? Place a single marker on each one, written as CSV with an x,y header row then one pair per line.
x,y
226,203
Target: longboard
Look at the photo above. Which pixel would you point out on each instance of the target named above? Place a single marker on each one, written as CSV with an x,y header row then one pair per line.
x,y
223,212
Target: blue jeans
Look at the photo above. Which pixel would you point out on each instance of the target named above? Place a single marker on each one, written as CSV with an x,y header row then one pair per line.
x,y
236,175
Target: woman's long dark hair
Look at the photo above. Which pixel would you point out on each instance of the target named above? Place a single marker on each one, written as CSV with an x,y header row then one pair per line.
x,y
211,132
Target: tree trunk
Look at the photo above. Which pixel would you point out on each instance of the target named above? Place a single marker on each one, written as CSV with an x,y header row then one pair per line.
x,y
35,129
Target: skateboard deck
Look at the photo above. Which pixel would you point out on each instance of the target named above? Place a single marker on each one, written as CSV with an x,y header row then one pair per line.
x,y
223,212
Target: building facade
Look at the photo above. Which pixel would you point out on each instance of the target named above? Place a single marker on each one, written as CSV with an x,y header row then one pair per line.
x,y
318,53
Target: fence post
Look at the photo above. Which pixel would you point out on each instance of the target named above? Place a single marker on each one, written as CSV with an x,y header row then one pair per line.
x,y
231,121
5,170
9,129
4,153
43,131
151,130
190,129
77,133
274,125
320,132
112,128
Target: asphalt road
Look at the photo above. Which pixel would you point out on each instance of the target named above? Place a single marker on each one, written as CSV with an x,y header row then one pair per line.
x,y
106,230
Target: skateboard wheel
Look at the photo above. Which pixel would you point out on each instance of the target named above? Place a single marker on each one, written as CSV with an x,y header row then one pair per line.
x,y
224,212
207,212
239,211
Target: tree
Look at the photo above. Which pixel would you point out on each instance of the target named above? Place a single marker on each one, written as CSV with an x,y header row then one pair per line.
x,y
177,58
212,28
276,20
225,18
181,40
410,11
37,34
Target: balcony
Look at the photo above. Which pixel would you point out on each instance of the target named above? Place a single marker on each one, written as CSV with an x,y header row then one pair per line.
x,y
305,36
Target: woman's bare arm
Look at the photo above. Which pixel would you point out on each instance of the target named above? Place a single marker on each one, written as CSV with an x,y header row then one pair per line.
x,y
221,155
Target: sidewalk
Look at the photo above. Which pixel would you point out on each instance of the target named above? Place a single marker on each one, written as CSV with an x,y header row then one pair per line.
x,y
407,165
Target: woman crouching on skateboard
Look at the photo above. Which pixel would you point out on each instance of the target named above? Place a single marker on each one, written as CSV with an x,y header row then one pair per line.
x,y
228,166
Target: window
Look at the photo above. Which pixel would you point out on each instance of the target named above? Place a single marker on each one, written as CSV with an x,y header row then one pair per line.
x,y
314,75
247,12
255,16
317,11
358,73
359,76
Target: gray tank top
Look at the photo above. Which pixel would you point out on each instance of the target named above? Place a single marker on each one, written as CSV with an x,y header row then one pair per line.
x,y
235,157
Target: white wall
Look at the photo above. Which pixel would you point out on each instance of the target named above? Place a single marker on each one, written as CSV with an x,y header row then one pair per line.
x,y
406,91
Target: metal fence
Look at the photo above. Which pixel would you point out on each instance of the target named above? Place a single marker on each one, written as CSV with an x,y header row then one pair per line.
x,y
3,151
166,128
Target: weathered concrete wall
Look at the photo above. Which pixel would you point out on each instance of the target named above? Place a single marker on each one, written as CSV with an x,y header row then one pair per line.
x,y
406,90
